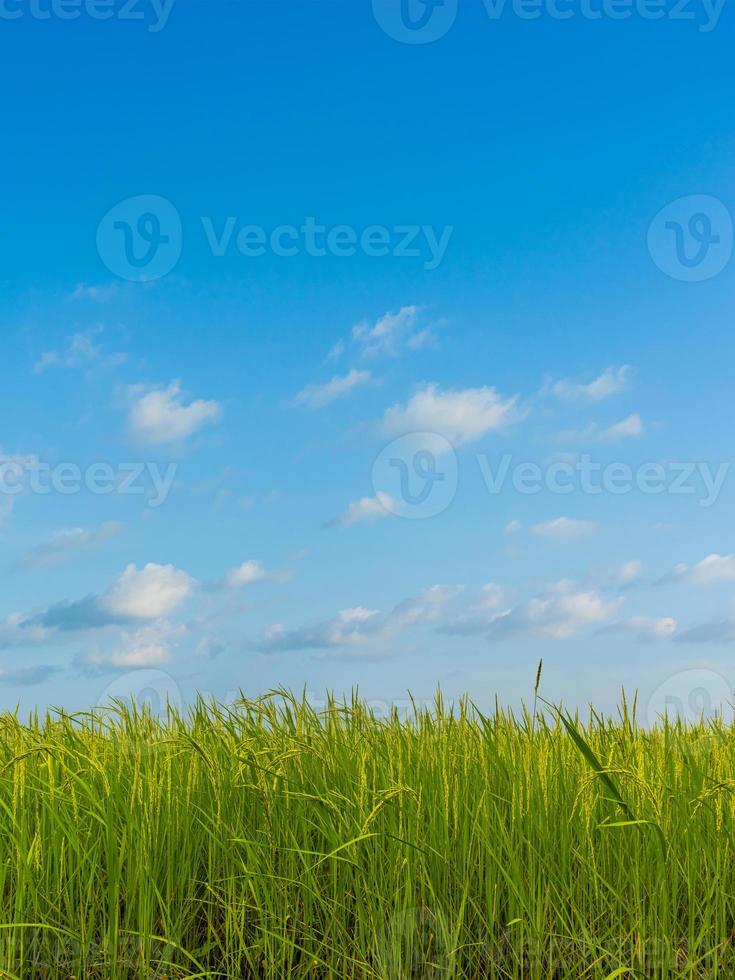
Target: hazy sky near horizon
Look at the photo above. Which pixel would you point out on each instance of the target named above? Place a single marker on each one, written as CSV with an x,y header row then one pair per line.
x,y
374,345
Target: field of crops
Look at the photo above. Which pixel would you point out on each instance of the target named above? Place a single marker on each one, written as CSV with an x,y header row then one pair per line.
x,y
269,839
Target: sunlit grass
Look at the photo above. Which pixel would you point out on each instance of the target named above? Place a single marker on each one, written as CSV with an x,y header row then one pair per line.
x,y
271,839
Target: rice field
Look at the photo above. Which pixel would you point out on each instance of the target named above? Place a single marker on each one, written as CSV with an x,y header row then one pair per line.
x,y
270,839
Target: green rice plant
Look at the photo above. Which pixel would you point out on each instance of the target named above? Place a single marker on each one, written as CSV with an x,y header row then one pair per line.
x,y
267,838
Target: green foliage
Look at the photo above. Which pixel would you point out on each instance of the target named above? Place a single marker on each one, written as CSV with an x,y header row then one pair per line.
x,y
270,839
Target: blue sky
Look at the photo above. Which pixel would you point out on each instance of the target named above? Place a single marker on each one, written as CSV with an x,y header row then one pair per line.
x,y
201,454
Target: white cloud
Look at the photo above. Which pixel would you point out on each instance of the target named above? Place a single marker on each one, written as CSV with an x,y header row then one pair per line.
x,y
421,608
628,428
713,568
391,333
317,396
19,462
559,614
348,626
28,676
564,529
99,294
719,631
610,382
336,351
253,571
6,507
160,415
358,625
152,592
209,649
493,596
512,527
369,509
149,646
645,628
631,427
136,596
246,574
629,572
139,651
68,544
80,352
15,631
460,416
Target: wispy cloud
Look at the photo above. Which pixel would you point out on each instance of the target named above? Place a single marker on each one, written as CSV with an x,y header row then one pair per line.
x,y
81,352
565,529
611,382
628,428
631,427
336,351
392,333
98,294
69,544
319,395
